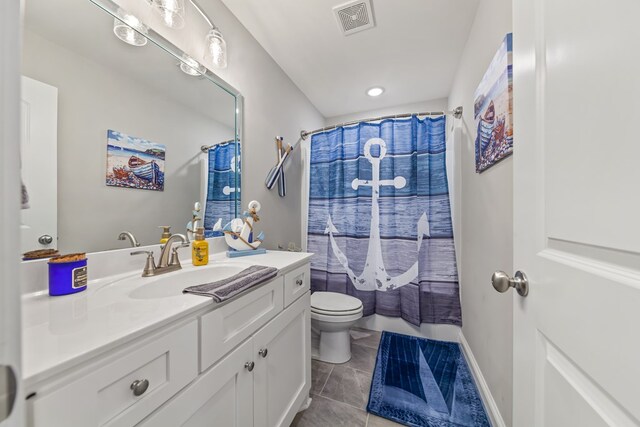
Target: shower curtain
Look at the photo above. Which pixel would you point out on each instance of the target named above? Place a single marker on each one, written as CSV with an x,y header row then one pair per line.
x,y
223,177
380,220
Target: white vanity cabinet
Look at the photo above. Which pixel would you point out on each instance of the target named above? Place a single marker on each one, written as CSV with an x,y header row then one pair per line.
x,y
263,382
246,363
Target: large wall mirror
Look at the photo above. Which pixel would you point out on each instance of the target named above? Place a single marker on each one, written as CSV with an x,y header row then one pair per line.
x,y
118,137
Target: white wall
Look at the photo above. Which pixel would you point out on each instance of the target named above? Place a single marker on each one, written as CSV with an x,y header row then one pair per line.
x,y
486,220
92,99
273,105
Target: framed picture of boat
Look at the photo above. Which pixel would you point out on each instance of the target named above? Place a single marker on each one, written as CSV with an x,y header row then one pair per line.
x,y
134,162
493,109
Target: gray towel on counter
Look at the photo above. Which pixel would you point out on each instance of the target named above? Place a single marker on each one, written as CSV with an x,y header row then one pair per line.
x,y
224,289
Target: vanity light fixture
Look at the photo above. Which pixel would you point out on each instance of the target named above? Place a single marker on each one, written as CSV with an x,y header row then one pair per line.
x,y
375,91
190,66
216,48
128,29
172,12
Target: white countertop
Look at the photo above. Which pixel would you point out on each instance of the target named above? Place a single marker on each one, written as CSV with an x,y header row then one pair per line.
x,y
61,332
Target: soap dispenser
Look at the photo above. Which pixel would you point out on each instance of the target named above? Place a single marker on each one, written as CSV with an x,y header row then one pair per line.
x,y
200,249
166,233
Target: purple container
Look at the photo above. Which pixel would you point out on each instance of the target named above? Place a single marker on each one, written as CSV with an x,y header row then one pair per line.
x,y
67,277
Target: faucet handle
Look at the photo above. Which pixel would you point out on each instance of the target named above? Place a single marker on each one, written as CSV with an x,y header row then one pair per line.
x,y
150,265
174,253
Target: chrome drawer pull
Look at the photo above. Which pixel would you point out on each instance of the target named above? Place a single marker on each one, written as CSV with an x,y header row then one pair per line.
x,y
139,387
249,366
299,282
263,352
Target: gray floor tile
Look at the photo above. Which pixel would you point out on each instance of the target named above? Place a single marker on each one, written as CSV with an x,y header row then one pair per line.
x,y
329,413
375,421
319,373
349,386
362,358
365,337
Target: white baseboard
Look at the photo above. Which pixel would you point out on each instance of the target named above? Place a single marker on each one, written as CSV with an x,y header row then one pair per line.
x,y
489,402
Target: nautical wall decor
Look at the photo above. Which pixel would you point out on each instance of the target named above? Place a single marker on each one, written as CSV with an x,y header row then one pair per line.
x,y
134,162
493,109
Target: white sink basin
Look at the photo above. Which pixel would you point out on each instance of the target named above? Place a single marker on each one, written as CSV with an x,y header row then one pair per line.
x,y
172,284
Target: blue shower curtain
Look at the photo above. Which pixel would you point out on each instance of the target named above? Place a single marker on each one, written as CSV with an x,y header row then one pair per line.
x,y
380,220
223,181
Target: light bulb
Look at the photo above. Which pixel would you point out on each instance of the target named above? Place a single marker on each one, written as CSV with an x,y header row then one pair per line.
x,y
171,11
375,91
216,48
125,29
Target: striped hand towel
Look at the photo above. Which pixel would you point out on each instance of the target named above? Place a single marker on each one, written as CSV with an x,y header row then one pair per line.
x,y
224,289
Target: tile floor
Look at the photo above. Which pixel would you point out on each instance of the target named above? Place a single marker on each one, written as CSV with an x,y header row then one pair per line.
x,y
340,392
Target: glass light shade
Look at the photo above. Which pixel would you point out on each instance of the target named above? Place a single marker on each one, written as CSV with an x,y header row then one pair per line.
x,y
172,12
125,29
192,67
216,48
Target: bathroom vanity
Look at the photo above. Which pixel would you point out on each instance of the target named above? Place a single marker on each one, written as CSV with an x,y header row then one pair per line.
x,y
136,351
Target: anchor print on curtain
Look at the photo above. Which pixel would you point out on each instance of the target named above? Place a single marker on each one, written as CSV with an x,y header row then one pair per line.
x,y
380,219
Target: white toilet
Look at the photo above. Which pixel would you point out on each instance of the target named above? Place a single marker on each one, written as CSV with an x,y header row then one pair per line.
x,y
332,315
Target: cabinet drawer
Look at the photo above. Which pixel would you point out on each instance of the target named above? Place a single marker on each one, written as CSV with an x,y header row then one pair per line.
x,y
296,283
104,396
225,327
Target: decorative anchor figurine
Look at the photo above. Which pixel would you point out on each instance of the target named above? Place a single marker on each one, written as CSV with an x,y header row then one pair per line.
x,y
374,277
239,235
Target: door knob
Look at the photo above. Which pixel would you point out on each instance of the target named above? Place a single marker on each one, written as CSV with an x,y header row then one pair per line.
x,y
8,391
502,282
45,239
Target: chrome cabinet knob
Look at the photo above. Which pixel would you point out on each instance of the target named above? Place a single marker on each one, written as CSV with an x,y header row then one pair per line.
x,y
502,282
299,282
263,352
249,366
139,387
45,239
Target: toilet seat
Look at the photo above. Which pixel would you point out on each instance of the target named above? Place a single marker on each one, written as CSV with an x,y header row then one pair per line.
x,y
335,304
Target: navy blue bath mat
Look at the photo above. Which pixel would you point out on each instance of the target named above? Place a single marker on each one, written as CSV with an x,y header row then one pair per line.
x,y
420,382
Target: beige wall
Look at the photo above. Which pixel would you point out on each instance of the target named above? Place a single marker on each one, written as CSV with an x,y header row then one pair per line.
x,y
486,220
273,105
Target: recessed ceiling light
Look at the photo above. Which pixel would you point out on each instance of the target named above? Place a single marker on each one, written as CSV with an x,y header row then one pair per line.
x,y
375,91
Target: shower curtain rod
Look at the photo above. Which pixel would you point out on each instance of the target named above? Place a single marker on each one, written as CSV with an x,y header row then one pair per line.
x,y
456,112
206,148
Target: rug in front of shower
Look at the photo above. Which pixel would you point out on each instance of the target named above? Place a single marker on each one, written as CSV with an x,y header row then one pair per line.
x,y
421,382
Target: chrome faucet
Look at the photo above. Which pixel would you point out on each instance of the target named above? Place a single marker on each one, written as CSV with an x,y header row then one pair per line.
x,y
128,235
165,264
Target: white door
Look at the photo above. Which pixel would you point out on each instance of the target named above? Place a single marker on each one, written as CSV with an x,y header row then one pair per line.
x,y
577,212
282,375
11,407
39,146
222,396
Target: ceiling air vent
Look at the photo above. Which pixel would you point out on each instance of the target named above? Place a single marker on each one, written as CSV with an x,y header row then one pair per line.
x,y
354,16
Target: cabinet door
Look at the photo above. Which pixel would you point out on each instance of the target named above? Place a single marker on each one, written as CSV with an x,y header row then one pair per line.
x,y
221,396
282,375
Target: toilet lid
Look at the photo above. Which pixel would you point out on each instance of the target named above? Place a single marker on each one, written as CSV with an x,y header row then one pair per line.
x,y
332,302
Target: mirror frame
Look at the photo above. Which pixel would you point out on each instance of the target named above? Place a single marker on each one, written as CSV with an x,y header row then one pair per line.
x,y
112,8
